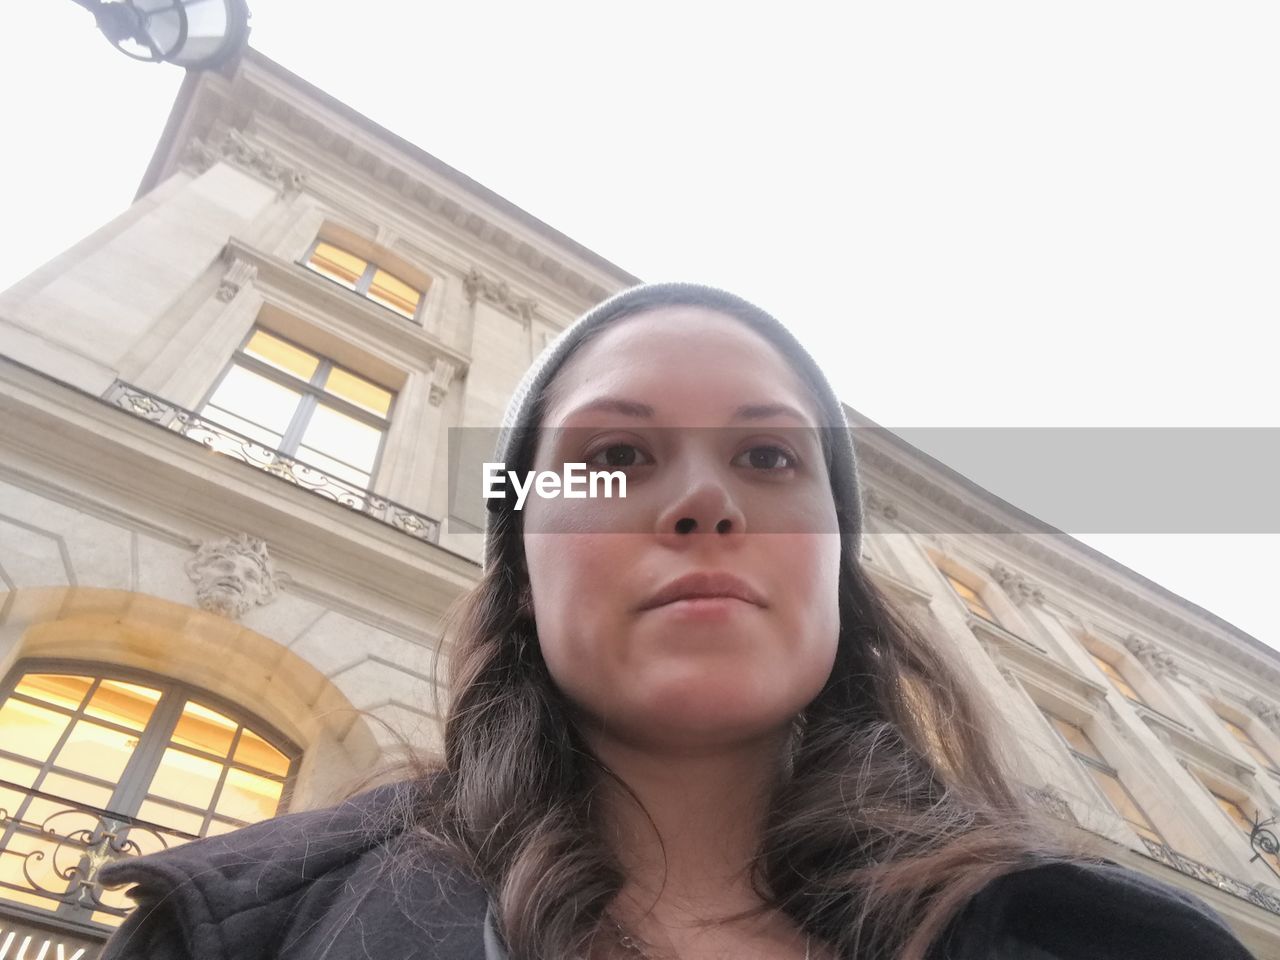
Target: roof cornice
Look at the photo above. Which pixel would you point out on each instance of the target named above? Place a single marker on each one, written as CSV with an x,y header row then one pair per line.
x,y
260,92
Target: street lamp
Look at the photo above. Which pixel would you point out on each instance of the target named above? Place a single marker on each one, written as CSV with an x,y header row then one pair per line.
x,y
196,34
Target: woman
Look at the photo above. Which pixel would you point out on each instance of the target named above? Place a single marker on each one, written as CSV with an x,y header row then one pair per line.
x,y
682,723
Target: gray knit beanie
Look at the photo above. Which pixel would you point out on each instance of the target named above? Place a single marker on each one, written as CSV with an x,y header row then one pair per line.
x,y
515,445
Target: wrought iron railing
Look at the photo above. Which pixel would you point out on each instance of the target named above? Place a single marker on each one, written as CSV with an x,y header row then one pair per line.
x,y
1263,841
216,437
1194,868
60,846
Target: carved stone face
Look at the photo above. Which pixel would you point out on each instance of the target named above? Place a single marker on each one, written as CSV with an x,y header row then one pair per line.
x,y
232,576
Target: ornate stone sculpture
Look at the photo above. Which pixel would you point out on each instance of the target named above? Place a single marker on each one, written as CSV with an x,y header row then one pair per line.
x,y
1150,656
442,375
235,148
237,275
1021,590
1051,799
877,503
1265,712
478,286
232,575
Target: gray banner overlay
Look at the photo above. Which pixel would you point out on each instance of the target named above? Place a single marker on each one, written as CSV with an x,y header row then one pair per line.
x,y
1078,480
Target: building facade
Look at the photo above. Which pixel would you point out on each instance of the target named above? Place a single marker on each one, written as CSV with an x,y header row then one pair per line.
x,y
228,541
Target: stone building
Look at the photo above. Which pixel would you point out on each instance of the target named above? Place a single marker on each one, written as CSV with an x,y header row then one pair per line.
x,y
227,542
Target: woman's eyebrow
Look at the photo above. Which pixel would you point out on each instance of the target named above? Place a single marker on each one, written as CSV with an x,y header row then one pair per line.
x,y
643,411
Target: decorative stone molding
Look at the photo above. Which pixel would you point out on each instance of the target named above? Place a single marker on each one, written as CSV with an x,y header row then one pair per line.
x,y
1266,713
499,293
1020,589
232,575
1051,799
236,149
878,504
238,276
1151,656
1116,723
443,373
1088,577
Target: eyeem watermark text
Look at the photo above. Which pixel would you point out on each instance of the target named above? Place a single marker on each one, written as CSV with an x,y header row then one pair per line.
x,y
575,484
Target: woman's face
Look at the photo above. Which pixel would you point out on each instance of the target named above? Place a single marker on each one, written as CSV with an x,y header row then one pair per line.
x,y
750,497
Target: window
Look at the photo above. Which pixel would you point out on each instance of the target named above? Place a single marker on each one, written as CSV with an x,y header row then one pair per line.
x,y
1235,812
302,405
1105,776
1247,741
365,278
84,755
1117,679
977,606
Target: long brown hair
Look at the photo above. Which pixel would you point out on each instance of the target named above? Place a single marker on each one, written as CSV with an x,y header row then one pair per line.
x,y
894,809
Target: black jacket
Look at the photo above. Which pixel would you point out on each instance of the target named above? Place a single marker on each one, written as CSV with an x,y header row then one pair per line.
x,y
314,886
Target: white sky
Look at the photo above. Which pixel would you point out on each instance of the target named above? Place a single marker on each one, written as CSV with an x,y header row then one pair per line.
x,y
977,214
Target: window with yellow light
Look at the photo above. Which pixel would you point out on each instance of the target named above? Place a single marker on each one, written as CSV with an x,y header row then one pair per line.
x,y
84,752
364,277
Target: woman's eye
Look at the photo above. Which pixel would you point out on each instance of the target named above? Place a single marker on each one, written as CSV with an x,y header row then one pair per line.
x,y
767,458
617,455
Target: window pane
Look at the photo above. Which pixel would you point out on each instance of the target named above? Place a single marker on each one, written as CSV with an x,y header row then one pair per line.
x,y
971,598
1247,741
124,703
14,771
65,691
77,790
1235,812
394,293
282,355
1117,678
166,815
241,426
253,751
343,438
30,731
186,778
337,264
256,399
247,796
359,391
1075,736
96,750
204,729
335,468
1124,804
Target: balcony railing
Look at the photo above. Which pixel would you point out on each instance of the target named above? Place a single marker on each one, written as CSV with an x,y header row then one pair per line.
x,y
52,850
1262,840
216,437
1194,868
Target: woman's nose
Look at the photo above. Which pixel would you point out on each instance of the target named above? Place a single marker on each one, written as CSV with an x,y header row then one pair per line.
x,y
703,503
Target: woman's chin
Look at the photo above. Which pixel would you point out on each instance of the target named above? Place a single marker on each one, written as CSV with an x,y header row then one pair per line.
x,y
709,713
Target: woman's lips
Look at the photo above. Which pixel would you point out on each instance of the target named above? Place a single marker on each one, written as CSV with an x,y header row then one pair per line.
x,y
703,608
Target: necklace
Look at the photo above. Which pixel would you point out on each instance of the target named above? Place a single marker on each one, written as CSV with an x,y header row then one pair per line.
x,y
634,945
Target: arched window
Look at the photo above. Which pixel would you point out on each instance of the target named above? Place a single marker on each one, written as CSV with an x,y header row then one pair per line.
x,y
97,764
